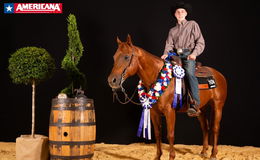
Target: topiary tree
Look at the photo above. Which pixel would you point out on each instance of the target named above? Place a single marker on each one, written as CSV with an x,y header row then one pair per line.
x,y
30,66
70,61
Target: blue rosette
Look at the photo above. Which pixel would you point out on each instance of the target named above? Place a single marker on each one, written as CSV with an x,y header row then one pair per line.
x,y
178,71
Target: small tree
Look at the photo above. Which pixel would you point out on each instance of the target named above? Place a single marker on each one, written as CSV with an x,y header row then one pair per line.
x,y
70,61
31,65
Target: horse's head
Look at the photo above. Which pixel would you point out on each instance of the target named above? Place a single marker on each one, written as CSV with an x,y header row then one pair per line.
x,y
125,63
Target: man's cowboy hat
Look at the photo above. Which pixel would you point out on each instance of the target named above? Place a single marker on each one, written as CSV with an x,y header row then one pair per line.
x,y
181,4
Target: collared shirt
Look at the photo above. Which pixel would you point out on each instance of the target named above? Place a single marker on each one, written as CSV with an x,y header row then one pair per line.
x,y
185,35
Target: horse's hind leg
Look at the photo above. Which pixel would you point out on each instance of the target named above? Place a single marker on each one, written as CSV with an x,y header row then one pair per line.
x,y
215,125
157,125
205,130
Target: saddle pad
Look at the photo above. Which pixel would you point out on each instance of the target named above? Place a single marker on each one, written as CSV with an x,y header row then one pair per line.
x,y
202,72
206,82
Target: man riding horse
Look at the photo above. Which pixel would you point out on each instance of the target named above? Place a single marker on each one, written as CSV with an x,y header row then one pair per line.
x,y
157,87
187,42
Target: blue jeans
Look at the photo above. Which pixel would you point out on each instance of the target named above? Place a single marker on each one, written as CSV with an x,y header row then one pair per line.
x,y
189,66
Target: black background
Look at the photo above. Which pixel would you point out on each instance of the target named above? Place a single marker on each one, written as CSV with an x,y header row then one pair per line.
x,y
231,33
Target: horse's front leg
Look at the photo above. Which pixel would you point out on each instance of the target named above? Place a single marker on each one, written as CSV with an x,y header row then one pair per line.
x,y
170,120
157,125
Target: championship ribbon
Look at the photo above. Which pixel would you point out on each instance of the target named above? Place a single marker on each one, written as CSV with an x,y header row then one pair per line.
x,y
148,99
178,73
145,121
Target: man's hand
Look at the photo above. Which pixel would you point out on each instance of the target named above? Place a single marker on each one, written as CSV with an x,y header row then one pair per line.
x,y
191,57
164,56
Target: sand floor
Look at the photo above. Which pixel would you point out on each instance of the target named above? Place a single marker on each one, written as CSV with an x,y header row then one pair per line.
x,y
140,151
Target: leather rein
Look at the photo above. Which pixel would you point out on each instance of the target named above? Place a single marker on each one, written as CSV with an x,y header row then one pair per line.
x,y
127,99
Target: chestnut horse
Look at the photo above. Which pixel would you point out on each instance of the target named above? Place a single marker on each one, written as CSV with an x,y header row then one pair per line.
x,y
130,60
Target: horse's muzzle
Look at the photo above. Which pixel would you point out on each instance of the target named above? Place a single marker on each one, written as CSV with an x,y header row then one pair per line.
x,y
114,81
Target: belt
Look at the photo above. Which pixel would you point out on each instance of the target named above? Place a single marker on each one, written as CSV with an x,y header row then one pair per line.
x,y
181,50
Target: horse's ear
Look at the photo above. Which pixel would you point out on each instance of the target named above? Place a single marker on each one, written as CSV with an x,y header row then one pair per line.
x,y
118,40
129,40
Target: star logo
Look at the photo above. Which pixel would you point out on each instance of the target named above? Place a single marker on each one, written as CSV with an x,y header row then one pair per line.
x,y
8,8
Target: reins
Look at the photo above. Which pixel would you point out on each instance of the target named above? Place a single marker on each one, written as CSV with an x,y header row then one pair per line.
x,y
127,99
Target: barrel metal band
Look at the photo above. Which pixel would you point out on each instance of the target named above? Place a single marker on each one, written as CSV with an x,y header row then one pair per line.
x,y
73,124
71,157
71,143
73,108
70,101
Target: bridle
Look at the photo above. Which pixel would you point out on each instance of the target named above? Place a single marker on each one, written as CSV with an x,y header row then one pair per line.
x,y
127,99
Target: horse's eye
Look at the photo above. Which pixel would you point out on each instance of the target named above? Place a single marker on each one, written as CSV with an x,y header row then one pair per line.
x,y
126,57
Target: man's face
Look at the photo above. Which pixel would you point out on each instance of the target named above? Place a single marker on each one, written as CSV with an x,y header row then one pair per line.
x,y
180,14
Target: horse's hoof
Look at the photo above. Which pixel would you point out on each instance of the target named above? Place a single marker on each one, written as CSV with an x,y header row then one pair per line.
x,y
203,155
213,158
157,158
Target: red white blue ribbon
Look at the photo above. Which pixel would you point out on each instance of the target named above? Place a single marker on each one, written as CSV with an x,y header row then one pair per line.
x,y
148,99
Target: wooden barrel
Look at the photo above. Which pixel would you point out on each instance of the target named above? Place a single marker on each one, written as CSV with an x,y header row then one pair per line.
x,y
72,129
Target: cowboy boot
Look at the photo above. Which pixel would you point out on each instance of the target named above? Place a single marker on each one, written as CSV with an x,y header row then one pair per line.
x,y
193,110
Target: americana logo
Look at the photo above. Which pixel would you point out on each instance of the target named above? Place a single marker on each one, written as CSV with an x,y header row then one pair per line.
x,y
10,8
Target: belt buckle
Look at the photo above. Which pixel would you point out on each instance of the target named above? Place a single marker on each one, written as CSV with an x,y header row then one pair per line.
x,y
179,50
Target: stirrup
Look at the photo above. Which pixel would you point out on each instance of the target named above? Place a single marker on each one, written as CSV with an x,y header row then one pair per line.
x,y
193,111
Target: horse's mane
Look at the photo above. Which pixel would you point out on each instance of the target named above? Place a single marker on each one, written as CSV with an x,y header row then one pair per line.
x,y
149,54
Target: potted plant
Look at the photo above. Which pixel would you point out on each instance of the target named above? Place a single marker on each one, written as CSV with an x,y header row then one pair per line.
x,y
71,60
76,128
30,66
